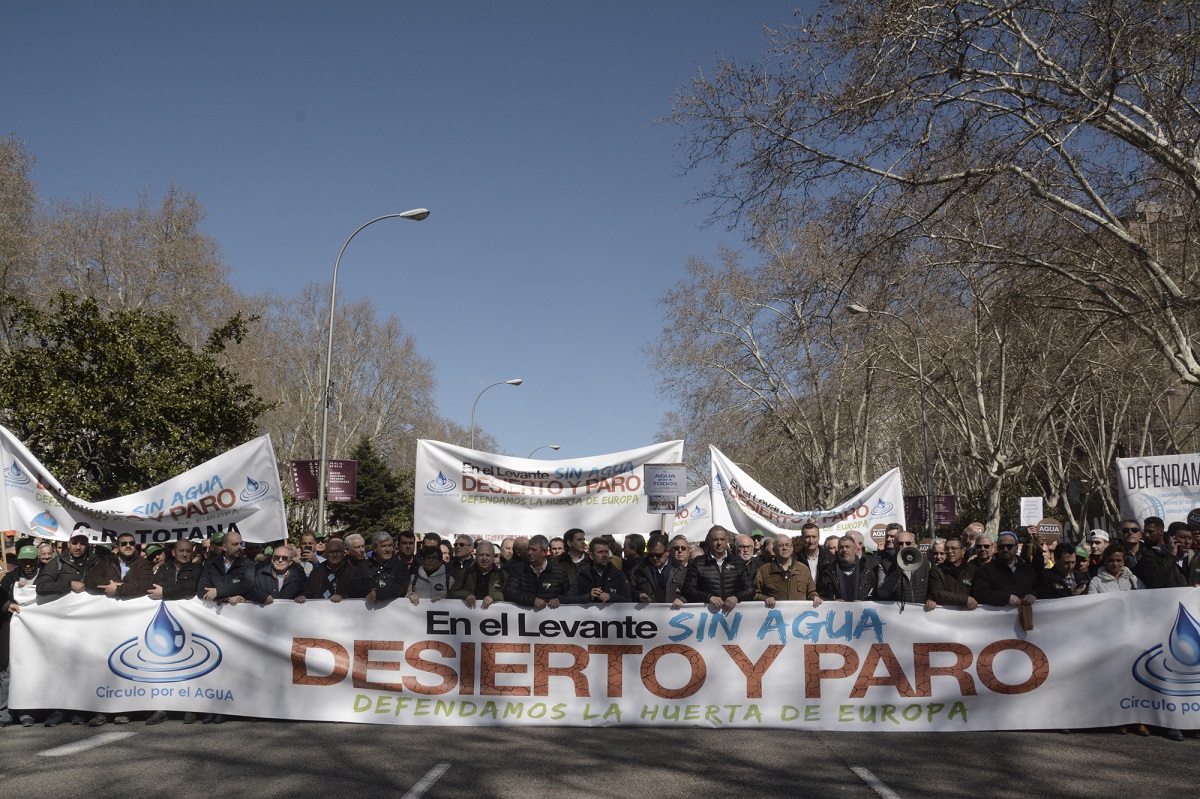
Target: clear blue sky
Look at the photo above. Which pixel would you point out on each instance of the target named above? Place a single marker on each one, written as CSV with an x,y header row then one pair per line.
x,y
559,213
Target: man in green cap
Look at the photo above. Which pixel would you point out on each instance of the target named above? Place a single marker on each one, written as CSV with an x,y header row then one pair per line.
x,y
23,575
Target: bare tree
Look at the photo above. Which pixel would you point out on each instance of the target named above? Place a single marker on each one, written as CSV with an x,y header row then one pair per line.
x,y
149,257
1088,112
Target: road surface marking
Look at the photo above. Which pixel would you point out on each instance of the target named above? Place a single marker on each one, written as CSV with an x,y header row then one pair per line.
x,y
433,775
870,779
87,743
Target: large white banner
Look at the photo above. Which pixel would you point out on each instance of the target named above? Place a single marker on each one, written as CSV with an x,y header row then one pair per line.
x,y
460,490
1166,486
236,491
1090,661
741,504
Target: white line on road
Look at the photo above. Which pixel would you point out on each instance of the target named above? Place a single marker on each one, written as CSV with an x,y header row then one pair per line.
x,y
87,743
433,775
870,779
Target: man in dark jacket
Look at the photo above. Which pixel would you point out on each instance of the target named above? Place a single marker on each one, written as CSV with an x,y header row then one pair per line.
x,y
65,572
575,556
174,580
330,579
811,553
381,576
1062,579
279,578
950,581
178,577
894,584
126,575
484,581
537,582
599,581
227,576
1006,579
717,577
658,577
1157,566
849,577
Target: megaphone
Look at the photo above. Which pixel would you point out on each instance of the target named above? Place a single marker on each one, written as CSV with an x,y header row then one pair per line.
x,y
909,559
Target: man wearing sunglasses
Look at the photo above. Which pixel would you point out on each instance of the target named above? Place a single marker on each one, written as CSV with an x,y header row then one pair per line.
x,y
1131,539
279,578
1005,580
658,577
127,575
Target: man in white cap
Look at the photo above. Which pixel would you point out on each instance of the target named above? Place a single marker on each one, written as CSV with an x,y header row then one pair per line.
x,y
1098,541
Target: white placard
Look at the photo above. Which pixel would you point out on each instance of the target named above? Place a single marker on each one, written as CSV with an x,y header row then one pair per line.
x,y
1031,510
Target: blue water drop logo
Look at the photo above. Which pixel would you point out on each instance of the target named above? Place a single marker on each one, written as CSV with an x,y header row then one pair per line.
x,y
255,489
1184,641
441,484
164,637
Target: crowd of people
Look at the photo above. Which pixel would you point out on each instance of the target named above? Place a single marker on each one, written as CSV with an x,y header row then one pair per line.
x,y
537,572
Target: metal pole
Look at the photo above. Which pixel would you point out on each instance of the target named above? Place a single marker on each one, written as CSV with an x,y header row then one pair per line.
x,y
417,214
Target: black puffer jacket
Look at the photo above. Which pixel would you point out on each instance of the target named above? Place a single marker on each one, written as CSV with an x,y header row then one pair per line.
x,y
706,579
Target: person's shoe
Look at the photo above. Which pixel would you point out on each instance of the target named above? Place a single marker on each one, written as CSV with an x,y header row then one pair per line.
x,y
54,719
1142,730
26,720
6,719
1173,734
98,720
1064,731
209,718
189,718
1122,730
218,719
77,719
157,717
121,720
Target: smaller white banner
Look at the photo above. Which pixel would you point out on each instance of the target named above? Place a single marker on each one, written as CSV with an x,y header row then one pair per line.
x,y
235,491
741,504
460,490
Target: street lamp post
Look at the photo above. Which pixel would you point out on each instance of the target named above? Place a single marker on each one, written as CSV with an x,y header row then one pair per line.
x,y
854,308
542,447
416,215
516,381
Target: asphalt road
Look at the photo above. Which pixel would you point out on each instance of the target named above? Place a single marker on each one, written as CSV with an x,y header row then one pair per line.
x,y
265,759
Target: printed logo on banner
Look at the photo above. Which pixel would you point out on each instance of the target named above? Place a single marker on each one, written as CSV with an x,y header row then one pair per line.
x,y
1149,505
1173,669
695,513
15,475
165,652
441,484
720,481
882,508
255,489
43,525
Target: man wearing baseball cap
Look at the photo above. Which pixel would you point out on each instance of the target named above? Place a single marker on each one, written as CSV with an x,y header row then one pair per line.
x,y
64,573
27,568
1098,541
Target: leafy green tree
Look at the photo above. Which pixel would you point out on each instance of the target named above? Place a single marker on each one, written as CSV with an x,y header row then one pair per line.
x,y
114,402
384,502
